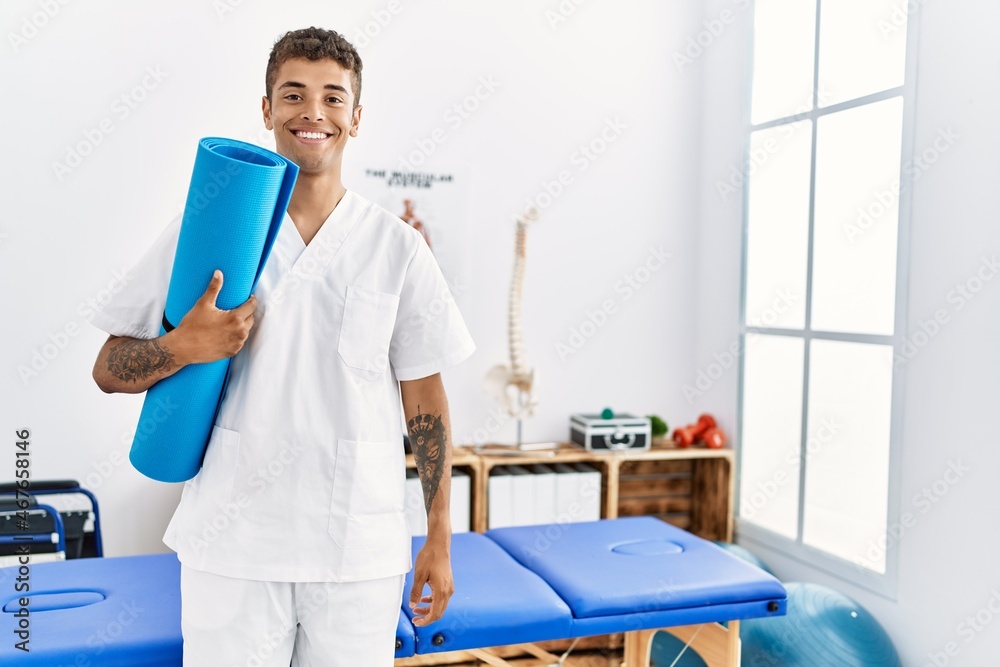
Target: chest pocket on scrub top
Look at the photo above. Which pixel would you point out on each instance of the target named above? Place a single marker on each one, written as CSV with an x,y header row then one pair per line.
x,y
366,330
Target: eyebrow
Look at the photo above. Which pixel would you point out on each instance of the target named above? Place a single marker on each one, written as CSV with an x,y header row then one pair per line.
x,y
329,86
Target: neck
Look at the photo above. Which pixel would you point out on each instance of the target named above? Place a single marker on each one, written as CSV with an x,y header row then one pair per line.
x,y
315,196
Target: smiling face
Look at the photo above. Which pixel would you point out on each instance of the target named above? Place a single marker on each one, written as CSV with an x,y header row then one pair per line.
x,y
312,112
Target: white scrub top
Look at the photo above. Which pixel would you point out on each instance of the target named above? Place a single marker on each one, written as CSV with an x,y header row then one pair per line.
x,y
304,475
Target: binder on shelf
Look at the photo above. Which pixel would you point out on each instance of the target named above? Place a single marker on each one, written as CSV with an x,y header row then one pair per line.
x,y
522,496
567,507
545,494
498,497
461,502
589,491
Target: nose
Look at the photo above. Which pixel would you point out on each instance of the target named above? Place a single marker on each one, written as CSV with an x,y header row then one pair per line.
x,y
313,111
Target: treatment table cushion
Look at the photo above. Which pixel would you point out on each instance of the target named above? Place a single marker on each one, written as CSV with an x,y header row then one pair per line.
x,y
658,574
496,601
97,611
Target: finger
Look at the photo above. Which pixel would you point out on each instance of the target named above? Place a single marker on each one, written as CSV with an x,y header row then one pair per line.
x,y
247,308
440,604
436,611
214,287
420,612
415,592
248,315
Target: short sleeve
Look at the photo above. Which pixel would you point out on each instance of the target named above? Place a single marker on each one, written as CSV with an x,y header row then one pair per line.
x,y
136,309
430,334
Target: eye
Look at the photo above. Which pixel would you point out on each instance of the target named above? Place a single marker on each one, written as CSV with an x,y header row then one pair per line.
x,y
333,100
292,95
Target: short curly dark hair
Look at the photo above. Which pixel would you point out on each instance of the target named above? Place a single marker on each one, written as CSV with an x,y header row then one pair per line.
x,y
315,44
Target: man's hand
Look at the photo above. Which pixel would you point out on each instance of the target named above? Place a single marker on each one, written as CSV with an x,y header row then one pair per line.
x,y
433,566
133,365
207,333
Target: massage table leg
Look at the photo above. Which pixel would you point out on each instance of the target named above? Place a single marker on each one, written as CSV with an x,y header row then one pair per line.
x,y
490,659
638,648
718,646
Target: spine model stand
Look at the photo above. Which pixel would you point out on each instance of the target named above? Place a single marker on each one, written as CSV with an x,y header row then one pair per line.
x,y
514,385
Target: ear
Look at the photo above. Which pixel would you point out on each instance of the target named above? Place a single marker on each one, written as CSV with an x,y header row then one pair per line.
x,y
265,107
356,120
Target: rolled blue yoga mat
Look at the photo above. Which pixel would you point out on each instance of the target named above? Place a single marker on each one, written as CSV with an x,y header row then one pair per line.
x,y
234,208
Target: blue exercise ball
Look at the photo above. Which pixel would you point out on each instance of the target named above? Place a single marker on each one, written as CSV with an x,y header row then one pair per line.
x,y
665,649
823,628
745,554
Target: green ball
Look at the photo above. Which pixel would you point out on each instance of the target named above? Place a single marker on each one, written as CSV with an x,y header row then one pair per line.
x,y
607,413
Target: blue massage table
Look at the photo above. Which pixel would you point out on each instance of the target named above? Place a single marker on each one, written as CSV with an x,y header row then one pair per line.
x,y
516,585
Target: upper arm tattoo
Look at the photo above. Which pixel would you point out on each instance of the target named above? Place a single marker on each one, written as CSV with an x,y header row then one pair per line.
x,y
428,439
132,360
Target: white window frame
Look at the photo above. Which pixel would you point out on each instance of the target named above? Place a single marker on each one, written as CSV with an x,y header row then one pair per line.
x,y
883,584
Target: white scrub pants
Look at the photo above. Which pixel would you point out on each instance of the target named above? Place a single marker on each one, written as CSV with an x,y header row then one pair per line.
x,y
228,622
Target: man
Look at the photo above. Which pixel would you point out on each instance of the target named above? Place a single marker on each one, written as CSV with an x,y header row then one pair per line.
x,y
292,537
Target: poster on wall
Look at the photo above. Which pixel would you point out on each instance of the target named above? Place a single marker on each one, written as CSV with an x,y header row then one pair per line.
x,y
432,202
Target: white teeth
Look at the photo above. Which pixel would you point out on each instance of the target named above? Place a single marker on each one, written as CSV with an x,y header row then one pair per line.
x,y
311,135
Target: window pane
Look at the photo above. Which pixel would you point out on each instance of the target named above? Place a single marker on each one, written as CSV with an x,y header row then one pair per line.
x,y
772,422
847,464
783,51
862,48
778,226
856,215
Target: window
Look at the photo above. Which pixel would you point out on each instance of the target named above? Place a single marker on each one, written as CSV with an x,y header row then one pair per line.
x,y
823,282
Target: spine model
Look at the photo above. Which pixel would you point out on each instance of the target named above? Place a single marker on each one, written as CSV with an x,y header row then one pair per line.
x,y
513,384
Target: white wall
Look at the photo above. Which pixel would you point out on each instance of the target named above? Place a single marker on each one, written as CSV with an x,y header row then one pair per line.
x,y
65,240
947,560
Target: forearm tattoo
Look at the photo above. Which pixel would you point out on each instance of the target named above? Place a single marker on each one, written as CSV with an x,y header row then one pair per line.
x,y
133,360
428,439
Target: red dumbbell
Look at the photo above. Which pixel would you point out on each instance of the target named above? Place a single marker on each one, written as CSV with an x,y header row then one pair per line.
x,y
685,436
714,438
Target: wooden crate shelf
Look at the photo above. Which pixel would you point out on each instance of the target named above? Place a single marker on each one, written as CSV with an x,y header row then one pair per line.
x,y
690,488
